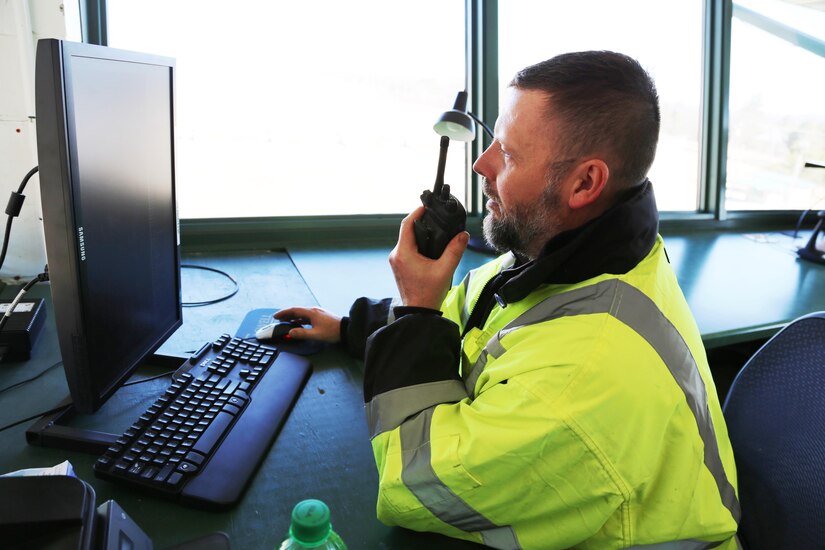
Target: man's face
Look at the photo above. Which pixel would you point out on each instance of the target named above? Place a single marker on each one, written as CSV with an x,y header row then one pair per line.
x,y
523,177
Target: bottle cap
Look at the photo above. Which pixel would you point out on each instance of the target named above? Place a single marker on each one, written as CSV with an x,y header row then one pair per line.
x,y
310,522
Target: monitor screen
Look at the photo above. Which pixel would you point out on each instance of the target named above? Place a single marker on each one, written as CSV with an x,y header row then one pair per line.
x,y
105,143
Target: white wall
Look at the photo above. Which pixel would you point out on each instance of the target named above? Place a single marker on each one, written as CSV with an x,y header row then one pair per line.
x,y
22,23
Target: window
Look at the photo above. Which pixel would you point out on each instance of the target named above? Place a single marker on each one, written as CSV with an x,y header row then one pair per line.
x,y
665,37
304,108
71,16
281,103
777,119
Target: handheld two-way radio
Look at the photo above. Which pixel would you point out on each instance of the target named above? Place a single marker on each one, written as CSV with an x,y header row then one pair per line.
x,y
444,217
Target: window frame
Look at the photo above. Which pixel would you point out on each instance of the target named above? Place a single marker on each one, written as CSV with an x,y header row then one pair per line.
x,y
481,39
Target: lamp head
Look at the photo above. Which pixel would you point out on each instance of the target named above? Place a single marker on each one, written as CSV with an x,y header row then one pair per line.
x,y
456,123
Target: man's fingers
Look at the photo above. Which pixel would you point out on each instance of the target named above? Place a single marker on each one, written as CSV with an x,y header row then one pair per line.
x,y
300,334
406,231
324,325
293,314
455,248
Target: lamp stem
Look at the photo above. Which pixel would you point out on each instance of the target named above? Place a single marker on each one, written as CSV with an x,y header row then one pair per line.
x,y
481,123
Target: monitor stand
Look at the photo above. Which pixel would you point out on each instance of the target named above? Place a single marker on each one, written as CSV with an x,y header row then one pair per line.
x,y
54,429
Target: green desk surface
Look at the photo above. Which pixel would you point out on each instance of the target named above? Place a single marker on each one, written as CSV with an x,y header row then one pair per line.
x,y
322,452
745,286
740,287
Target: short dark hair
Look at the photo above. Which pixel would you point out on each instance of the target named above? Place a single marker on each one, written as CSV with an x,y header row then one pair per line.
x,y
602,101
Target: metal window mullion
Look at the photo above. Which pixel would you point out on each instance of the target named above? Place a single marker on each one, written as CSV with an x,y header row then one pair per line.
x,y
715,94
482,84
93,22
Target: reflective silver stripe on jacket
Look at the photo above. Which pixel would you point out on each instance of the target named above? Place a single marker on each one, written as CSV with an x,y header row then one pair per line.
x,y
418,476
386,411
589,299
678,545
636,310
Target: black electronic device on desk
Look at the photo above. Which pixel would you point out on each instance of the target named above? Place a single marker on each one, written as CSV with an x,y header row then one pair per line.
x,y
57,512
105,143
444,216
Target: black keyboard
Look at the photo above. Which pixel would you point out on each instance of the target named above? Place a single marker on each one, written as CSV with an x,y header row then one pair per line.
x,y
203,439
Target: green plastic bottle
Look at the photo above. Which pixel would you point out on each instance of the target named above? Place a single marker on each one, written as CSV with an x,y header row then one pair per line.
x,y
310,528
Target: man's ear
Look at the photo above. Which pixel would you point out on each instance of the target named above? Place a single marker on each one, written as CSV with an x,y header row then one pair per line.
x,y
589,182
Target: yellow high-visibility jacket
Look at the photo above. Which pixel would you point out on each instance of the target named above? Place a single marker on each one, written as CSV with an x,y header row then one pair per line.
x,y
583,415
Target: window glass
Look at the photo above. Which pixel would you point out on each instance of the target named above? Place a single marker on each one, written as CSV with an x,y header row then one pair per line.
x,y
304,108
777,117
71,16
665,37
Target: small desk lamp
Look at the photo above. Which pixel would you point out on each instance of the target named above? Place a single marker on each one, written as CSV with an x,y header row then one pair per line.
x,y
810,251
460,124
457,123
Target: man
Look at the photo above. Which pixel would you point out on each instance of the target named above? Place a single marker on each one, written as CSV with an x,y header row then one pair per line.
x,y
560,395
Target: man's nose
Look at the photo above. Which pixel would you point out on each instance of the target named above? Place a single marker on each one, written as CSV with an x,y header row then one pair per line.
x,y
481,165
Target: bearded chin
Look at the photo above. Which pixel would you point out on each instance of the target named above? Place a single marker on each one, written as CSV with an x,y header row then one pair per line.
x,y
502,234
524,230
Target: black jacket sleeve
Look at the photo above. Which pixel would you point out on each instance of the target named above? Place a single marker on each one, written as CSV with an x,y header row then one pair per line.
x,y
365,317
417,348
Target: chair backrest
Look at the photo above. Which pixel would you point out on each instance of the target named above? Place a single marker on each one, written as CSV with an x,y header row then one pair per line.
x,y
775,413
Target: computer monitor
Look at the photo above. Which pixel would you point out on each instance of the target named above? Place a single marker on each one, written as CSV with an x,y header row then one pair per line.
x,y
106,152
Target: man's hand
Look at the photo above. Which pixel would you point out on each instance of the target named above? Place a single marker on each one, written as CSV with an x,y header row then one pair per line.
x,y
326,327
423,282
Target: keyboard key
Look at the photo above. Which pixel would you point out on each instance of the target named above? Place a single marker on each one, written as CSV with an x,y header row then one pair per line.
x,y
175,479
195,458
214,432
187,468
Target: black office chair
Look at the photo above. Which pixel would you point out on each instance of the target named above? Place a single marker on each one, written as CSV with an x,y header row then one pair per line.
x,y
775,412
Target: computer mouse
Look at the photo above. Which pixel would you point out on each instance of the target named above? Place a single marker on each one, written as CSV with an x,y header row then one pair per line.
x,y
276,332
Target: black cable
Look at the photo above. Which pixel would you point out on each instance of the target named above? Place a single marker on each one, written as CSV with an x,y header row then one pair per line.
x,y
215,301
799,222
15,423
5,318
803,215
35,377
38,415
13,210
6,240
142,380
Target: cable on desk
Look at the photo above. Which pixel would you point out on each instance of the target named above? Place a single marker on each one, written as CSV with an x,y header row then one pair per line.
x,y
38,415
215,301
802,217
142,380
799,222
35,377
62,407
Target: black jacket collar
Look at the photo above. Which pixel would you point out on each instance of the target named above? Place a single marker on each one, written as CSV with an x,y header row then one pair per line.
x,y
612,243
